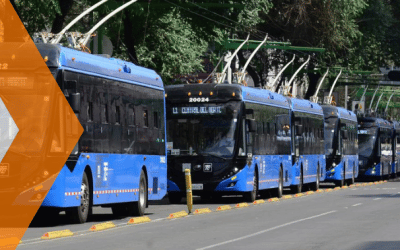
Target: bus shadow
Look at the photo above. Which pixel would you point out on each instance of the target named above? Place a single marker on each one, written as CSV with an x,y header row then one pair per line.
x,y
373,196
63,220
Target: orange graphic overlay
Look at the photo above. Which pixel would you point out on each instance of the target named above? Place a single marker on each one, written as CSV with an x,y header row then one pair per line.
x,y
48,130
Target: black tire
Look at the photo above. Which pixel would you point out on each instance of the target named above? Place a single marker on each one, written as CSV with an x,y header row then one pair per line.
x,y
299,187
175,197
353,178
279,190
139,206
80,214
315,185
252,195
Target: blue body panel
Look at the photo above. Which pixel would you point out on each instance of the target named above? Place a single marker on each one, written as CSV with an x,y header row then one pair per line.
x,y
115,179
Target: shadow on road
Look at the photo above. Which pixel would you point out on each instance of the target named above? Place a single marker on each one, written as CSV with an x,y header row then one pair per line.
x,y
387,245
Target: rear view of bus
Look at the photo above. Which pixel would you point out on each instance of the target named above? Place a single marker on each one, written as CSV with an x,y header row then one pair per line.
x,y
235,140
375,148
341,145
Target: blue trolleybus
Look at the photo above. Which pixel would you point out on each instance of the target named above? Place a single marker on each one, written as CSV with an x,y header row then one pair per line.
x,y
236,140
341,145
120,160
375,147
308,156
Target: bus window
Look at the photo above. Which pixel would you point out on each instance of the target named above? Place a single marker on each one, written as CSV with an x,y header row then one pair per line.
x,y
117,115
90,111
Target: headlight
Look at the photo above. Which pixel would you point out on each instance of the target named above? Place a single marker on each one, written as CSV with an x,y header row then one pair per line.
x,y
235,169
333,164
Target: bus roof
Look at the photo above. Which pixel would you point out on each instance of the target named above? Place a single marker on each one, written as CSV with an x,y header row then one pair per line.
x,y
339,112
378,122
61,57
306,106
223,93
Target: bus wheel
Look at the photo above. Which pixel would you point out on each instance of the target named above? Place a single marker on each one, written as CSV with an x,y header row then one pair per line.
x,y
342,181
354,175
80,214
139,206
298,188
279,190
252,195
174,197
316,183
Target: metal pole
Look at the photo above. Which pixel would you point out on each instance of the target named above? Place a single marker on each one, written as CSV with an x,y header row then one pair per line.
x,y
280,72
345,99
189,197
387,105
297,71
315,97
373,97
241,78
89,33
59,35
378,102
228,63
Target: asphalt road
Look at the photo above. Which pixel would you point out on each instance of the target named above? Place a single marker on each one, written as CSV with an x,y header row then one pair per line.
x,y
354,218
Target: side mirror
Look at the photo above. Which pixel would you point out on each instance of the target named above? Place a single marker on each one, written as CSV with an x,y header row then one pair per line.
x,y
299,130
75,102
345,134
252,125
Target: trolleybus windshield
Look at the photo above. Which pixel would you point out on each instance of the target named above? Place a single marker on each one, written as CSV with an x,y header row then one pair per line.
x,y
331,136
366,140
204,129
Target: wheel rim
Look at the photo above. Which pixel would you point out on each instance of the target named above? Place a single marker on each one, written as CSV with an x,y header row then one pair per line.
x,y
280,183
141,193
301,181
84,197
317,181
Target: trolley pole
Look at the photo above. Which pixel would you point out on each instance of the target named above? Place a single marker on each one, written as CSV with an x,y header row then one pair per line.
x,y
189,196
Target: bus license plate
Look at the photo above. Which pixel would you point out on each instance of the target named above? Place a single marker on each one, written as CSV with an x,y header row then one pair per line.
x,y
197,186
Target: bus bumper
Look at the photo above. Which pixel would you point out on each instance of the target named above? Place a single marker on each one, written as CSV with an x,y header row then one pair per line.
x,y
335,174
240,182
374,171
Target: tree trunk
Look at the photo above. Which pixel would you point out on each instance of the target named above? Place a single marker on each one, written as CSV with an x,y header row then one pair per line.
x,y
130,39
58,22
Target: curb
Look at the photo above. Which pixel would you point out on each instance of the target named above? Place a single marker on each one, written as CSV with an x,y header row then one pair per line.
x,y
223,208
56,234
138,220
178,215
202,211
102,226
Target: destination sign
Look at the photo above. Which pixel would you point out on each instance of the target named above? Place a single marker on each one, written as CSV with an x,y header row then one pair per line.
x,y
200,110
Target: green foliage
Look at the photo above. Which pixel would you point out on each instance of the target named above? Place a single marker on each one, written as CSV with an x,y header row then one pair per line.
x,y
172,47
37,15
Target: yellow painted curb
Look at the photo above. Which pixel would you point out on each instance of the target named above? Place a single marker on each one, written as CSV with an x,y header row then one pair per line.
x,y
309,192
285,197
102,226
178,215
336,188
57,234
138,220
320,191
370,183
273,199
329,190
345,187
258,202
20,241
384,181
223,208
202,211
298,195
241,205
